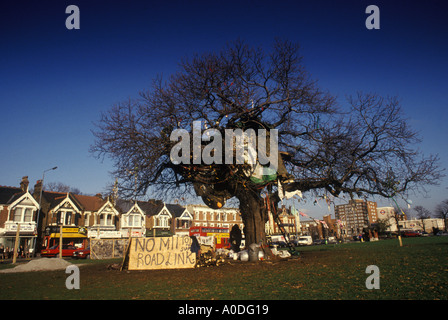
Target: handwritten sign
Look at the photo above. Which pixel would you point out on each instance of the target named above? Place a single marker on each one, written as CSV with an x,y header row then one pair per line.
x,y
161,253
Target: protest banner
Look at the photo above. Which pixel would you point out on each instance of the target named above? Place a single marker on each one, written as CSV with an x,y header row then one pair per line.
x,y
161,253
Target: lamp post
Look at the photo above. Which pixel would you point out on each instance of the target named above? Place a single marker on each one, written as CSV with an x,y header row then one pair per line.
x,y
40,202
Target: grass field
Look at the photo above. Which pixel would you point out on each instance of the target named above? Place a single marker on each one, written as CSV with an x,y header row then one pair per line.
x,y
417,271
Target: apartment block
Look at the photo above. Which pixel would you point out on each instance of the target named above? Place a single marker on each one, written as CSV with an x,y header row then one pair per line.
x,y
356,215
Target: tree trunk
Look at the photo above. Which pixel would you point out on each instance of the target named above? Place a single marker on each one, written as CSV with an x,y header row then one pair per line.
x,y
254,216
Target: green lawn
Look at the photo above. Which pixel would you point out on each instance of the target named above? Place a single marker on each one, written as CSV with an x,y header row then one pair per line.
x,y
417,271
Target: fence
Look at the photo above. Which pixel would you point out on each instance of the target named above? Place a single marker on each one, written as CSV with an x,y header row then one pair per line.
x,y
107,248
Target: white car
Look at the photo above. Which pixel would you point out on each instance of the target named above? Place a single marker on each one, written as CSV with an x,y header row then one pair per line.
x,y
305,241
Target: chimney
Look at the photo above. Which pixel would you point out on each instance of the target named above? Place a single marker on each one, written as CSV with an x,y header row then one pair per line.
x,y
37,187
24,184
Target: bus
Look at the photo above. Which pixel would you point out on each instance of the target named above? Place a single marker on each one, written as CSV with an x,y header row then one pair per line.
x,y
73,238
221,235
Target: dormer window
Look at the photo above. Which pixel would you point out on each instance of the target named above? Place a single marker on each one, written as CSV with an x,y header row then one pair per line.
x,y
22,214
134,220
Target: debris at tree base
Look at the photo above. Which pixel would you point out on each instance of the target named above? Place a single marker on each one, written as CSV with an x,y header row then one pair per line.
x,y
114,266
280,253
208,257
283,254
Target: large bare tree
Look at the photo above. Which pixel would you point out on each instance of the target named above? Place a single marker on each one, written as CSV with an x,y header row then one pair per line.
x,y
365,147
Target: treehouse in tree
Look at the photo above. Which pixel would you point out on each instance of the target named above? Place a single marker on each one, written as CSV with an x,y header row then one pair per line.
x,y
175,136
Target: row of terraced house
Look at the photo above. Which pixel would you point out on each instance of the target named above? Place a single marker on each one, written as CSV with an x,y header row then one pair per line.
x,y
99,217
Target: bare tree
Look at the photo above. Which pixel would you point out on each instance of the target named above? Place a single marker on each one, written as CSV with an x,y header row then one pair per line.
x,y
441,211
365,147
422,214
60,187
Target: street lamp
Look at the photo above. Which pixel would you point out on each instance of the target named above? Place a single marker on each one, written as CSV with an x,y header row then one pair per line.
x,y
40,201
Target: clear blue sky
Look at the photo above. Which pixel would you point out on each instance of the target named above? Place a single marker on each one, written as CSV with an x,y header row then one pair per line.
x,y
55,82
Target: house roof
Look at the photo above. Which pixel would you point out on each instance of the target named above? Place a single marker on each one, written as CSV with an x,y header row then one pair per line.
x,y
175,209
89,203
60,200
9,194
53,197
83,202
13,195
151,207
124,205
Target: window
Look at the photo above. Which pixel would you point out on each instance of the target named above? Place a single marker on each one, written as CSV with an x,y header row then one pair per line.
x,y
28,215
161,221
21,214
18,215
86,219
103,220
134,220
68,218
184,224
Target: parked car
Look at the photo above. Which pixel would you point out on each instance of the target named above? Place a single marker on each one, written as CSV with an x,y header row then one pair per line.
x,y
82,253
280,244
332,240
305,241
411,234
67,251
278,240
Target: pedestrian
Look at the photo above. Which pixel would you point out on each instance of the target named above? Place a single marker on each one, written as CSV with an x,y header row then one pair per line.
x,y
2,252
235,238
195,247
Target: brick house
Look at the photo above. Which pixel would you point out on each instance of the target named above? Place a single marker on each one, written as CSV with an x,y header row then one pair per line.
x,y
208,217
96,214
18,207
132,218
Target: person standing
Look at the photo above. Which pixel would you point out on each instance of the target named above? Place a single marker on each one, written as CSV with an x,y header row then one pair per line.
x,y
235,238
